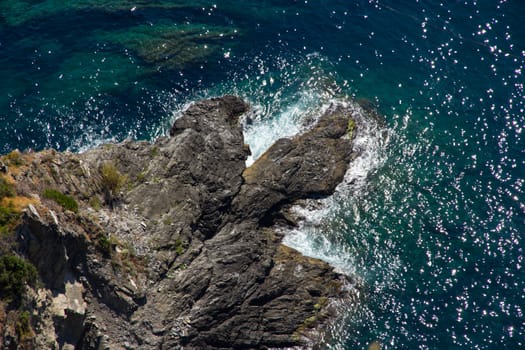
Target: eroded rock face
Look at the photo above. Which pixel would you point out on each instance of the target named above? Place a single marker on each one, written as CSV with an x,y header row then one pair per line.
x,y
186,255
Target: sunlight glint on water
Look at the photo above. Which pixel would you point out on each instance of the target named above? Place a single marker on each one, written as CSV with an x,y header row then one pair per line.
x,y
430,221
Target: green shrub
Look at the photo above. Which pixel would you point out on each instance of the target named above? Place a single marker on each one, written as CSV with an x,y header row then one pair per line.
x,y
179,246
105,245
67,202
6,189
23,325
141,177
8,215
154,151
15,273
111,181
94,202
14,158
108,244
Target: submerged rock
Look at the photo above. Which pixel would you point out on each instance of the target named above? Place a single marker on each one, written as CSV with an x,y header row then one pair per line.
x,y
173,46
184,253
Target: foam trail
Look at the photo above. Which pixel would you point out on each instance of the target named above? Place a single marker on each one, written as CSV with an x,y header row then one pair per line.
x,y
291,121
320,234
261,136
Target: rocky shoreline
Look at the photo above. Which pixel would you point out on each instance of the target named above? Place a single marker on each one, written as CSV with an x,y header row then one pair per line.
x,y
173,244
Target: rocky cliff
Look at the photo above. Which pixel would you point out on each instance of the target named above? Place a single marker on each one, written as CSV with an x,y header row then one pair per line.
x,y
171,244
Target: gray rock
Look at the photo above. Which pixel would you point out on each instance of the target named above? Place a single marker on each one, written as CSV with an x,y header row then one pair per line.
x,y
197,263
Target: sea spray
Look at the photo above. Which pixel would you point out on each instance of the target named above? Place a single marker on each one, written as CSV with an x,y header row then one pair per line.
x,y
324,232
291,121
317,236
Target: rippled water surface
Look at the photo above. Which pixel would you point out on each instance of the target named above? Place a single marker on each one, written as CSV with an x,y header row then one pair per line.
x,y
431,217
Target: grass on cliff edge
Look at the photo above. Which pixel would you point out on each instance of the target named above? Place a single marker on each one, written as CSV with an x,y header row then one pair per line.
x,y
111,181
8,214
6,189
8,217
67,202
14,158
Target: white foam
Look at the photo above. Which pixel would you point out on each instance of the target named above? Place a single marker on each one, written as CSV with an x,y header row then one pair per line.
x,y
292,120
263,134
90,137
320,234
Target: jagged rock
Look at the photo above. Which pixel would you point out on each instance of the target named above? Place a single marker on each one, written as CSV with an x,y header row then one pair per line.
x,y
188,254
306,166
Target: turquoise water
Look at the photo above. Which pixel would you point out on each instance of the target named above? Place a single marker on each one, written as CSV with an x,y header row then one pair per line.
x,y
432,216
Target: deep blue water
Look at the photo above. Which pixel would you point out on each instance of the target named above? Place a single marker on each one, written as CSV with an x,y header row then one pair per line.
x,y
434,226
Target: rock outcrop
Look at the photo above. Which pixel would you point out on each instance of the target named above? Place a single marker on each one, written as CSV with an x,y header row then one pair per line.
x,y
174,243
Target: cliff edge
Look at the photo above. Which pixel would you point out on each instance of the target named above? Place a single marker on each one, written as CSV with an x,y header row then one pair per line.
x,y
171,244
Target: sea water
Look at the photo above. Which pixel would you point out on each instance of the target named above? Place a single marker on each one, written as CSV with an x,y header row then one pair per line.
x,y
431,215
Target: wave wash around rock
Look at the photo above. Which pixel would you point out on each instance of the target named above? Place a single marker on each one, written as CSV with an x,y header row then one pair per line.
x,y
174,243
